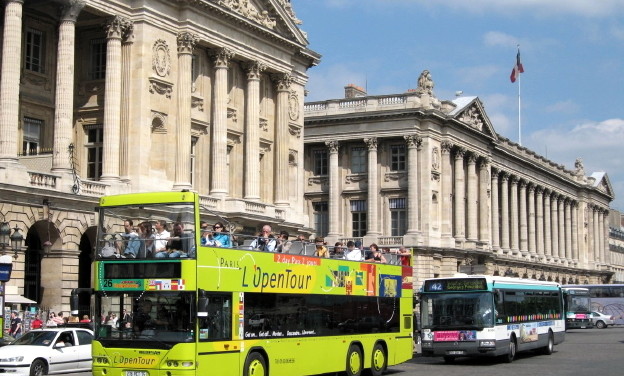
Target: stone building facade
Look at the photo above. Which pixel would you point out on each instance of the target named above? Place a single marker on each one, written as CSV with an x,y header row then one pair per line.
x,y
410,169
104,97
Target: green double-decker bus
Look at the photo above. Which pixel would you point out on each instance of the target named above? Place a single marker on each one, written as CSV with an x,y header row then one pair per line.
x,y
168,305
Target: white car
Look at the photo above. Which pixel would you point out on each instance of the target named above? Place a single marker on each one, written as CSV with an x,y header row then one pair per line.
x,y
601,320
48,351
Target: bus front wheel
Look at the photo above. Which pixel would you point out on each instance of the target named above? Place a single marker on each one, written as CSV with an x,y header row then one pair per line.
x,y
548,349
379,361
511,350
354,361
255,365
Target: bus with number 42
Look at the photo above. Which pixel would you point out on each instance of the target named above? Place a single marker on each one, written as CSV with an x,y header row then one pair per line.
x,y
194,309
470,316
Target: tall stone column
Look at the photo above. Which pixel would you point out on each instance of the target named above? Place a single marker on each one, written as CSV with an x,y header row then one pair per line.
x,y
562,237
575,246
412,182
539,226
373,188
252,132
554,218
116,28
460,218
568,230
447,189
334,190
598,236
524,230
591,255
10,80
220,182
547,226
282,135
514,215
186,43
604,243
532,234
505,212
64,95
124,122
495,211
471,199
484,200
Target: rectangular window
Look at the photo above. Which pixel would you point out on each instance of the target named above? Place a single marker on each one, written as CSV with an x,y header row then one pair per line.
x,y
34,53
358,160
98,58
398,216
321,218
32,136
320,162
397,158
358,217
94,145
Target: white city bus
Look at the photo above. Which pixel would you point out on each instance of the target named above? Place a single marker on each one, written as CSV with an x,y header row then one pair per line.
x,y
471,315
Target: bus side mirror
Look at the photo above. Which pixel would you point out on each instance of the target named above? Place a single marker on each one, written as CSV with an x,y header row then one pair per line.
x,y
202,304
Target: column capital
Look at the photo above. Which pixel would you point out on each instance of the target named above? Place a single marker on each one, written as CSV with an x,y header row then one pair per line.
x,y
186,42
472,158
254,69
371,143
333,146
118,27
282,81
70,9
484,162
222,57
523,184
532,188
514,180
539,189
460,152
14,1
413,140
504,176
446,147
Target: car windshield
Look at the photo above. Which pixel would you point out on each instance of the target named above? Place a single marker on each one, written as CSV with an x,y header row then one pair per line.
x,y
36,338
146,231
457,311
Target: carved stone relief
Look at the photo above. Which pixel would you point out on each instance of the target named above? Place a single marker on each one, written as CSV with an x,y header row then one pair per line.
x,y
158,86
472,117
293,106
161,60
435,158
159,122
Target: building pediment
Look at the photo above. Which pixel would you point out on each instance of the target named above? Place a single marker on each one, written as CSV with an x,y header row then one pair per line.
x,y
276,15
470,112
600,181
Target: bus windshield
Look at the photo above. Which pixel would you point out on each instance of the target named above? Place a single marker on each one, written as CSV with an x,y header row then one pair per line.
x,y
146,231
156,319
457,311
579,303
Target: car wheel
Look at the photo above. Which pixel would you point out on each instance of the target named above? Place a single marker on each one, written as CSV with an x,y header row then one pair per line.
x,y
600,324
38,368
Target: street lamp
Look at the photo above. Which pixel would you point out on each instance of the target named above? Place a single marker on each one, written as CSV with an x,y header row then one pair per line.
x,y
6,264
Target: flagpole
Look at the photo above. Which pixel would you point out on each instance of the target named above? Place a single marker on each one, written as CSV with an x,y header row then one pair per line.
x,y
519,106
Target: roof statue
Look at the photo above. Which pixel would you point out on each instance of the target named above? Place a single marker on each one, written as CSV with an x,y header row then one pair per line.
x,y
425,83
578,165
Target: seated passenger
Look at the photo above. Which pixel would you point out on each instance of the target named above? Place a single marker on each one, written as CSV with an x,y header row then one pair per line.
x,y
146,249
131,240
161,237
321,249
352,253
265,240
179,244
283,244
221,236
374,255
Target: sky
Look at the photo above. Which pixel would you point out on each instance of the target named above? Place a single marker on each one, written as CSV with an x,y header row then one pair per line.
x,y
572,51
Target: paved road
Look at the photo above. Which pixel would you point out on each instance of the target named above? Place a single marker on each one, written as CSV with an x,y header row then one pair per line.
x,y
588,352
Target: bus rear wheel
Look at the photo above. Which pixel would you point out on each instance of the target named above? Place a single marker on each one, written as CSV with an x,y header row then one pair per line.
x,y
548,349
379,361
354,361
255,365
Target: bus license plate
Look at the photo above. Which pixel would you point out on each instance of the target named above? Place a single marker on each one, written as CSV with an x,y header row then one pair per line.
x,y
136,373
456,352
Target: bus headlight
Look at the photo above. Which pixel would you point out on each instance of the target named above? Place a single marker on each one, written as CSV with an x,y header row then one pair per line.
x,y
487,343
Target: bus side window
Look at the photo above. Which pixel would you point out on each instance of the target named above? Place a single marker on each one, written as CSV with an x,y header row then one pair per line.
x,y
499,305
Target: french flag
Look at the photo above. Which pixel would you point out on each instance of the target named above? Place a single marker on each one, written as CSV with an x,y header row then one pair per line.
x,y
517,69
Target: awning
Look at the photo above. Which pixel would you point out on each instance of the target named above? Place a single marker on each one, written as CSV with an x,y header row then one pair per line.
x,y
18,299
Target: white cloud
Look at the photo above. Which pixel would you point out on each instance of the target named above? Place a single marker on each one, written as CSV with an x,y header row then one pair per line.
x,y
563,106
599,144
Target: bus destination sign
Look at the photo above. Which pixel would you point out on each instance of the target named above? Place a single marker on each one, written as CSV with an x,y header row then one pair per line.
x,y
455,284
